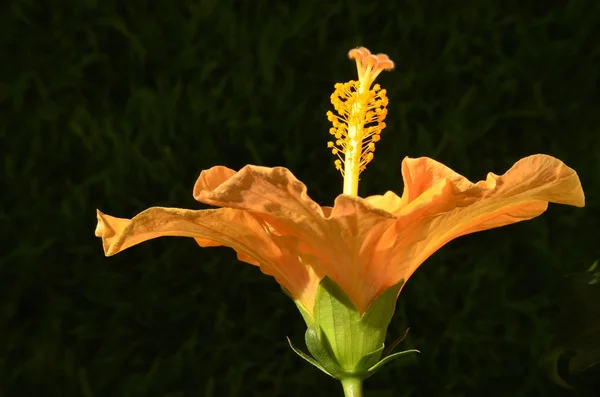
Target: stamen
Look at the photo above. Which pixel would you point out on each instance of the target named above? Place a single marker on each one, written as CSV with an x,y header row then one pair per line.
x,y
360,110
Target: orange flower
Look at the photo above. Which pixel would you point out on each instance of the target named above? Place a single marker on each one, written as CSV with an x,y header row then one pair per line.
x,y
365,245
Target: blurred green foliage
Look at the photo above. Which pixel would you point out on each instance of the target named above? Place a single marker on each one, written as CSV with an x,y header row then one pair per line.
x,y
119,105
575,358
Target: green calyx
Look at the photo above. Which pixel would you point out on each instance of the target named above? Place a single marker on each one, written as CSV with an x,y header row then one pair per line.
x,y
343,343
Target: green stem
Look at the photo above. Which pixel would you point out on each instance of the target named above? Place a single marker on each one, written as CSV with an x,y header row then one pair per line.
x,y
352,387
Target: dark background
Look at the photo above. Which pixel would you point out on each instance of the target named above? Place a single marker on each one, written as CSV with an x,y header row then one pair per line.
x,y
119,105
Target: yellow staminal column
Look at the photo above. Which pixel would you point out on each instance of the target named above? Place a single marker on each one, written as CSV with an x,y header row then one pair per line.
x,y
361,110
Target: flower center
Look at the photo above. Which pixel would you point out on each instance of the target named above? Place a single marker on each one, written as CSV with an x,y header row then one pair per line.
x,y
361,110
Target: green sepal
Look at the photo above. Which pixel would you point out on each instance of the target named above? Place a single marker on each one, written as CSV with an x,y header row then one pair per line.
x,y
343,343
368,361
319,347
305,315
371,362
395,343
353,336
389,358
307,358
380,311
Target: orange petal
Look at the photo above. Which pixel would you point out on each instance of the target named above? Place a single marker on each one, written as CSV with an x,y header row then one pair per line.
x,y
333,239
442,205
213,177
389,202
240,230
275,196
275,191
352,229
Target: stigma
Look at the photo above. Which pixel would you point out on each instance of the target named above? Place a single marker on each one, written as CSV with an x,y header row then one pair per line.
x,y
361,109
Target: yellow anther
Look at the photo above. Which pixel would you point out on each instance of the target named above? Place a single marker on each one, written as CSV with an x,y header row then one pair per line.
x,y
361,109
338,166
